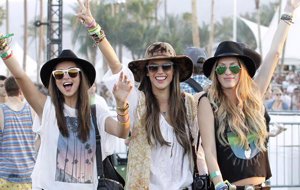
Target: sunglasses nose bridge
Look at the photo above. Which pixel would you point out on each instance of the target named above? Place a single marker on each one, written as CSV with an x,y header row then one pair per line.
x,y
160,68
66,74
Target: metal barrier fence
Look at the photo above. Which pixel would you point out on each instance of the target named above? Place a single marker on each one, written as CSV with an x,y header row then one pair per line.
x,y
284,150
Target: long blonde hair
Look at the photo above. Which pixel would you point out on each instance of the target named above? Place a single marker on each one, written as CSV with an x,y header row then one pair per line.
x,y
247,117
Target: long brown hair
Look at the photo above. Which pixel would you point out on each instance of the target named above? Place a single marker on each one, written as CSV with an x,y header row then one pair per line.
x,y
245,117
177,113
82,108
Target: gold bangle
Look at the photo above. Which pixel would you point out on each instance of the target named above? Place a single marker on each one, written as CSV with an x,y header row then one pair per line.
x,y
123,123
123,114
122,120
123,109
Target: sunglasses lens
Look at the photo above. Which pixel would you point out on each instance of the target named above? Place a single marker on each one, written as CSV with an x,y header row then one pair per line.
x,y
235,69
58,75
167,66
73,72
221,70
152,68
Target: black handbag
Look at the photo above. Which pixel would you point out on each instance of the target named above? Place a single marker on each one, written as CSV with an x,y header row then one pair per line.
x,y
108,177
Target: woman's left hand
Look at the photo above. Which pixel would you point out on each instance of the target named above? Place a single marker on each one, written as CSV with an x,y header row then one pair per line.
x,y
291,5
122,89
84,13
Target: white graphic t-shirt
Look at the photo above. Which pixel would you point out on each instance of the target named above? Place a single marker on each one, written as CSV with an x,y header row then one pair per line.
x,y
66,163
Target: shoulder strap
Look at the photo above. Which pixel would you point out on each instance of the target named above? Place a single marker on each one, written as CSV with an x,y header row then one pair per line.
x,y
100,171
194,84
204,94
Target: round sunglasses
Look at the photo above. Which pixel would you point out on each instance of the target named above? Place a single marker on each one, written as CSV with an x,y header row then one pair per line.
x,y
59,74
153,67
221,69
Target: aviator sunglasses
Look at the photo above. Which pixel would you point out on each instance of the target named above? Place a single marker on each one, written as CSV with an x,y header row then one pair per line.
x,y
165,67
59,74
221,69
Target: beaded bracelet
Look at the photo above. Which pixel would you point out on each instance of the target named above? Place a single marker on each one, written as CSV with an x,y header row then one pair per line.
x,y
221,186
123,113
9,56
6,55
123,123
126,120
214,174
92,24
95,29
123,109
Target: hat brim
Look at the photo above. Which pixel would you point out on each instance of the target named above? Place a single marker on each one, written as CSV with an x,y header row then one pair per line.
x,y
248,62
182,62
84,65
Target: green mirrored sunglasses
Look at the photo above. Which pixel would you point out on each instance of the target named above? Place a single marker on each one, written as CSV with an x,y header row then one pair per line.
x,y
221,69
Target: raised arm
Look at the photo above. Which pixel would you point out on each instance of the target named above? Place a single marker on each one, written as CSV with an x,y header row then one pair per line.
x,y
269,64
98,35
34,97
121,91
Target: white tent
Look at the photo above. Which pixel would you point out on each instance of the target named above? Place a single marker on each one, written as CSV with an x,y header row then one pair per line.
x,y
291,53
31,65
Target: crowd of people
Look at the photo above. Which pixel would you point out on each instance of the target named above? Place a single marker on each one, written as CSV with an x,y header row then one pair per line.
x,y
217,130
284,91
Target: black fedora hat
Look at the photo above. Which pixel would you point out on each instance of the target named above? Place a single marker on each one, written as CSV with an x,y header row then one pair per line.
x,y
162,50
67,55
256,57
229,49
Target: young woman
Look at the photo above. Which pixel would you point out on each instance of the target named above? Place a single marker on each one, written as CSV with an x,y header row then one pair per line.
x,y
66,158
160,152
231,115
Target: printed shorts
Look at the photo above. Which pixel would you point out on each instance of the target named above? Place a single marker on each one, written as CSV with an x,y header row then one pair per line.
x,y
7,185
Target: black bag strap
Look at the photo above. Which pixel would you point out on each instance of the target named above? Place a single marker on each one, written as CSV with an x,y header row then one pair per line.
x,y
194,153
100,171
194,84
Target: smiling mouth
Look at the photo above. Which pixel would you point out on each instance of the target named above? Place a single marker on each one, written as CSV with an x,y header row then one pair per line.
x,y
68,85
160,78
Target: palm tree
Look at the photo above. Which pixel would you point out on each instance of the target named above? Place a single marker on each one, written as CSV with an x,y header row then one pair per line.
x,y
41,43
212,28
258,26
7,22
196,36
7,16
25,35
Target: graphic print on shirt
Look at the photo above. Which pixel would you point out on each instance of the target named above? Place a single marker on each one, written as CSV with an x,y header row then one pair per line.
x,y
74,159
242,155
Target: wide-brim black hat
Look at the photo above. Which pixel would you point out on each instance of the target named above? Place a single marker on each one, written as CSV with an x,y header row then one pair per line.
x,y
67,55
160,51
229,49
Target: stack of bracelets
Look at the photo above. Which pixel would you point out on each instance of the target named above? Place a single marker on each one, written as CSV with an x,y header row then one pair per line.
x,y
223,185
123,116
95,32
5,51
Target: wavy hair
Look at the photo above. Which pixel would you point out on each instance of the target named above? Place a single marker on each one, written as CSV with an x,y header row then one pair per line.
x,y
247,117
177,113
82,108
